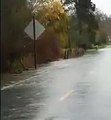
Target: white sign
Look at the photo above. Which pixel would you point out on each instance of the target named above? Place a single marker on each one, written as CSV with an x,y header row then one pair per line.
x,y
39,29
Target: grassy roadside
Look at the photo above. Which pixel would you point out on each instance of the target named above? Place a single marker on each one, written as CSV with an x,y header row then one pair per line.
x,y
109,46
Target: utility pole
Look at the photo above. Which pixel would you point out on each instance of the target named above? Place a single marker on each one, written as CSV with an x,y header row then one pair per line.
x,y
35,64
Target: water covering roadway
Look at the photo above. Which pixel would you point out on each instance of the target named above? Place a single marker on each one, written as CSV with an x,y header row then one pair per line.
x,y
73,89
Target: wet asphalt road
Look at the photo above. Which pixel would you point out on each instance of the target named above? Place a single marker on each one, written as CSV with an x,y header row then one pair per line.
x,y
73,89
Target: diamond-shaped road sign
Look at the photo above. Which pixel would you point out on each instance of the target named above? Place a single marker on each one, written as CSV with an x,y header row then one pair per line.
x,y
39,29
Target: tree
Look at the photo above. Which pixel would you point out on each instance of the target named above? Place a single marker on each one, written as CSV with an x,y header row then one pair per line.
x,y
104,23
15,16
84,10
54,17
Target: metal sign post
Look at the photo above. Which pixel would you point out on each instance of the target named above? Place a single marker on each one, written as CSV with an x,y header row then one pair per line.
x,y
34,42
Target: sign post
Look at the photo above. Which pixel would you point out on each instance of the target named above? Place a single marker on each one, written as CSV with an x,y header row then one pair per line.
x,y
34,42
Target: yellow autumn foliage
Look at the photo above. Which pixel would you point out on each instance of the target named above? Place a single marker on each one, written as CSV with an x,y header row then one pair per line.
x,y
53,15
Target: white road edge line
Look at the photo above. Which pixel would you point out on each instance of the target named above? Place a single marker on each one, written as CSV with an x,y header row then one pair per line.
x,y
9,86
66,95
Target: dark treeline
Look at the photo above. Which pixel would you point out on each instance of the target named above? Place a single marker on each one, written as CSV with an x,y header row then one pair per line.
x,y
80,25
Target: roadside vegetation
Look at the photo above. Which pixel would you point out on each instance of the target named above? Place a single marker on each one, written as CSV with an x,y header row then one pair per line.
x,y
72,27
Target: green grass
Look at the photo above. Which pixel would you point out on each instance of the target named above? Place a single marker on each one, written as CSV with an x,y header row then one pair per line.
x,y
109,46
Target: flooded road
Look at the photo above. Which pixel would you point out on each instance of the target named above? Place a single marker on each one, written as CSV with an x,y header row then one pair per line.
x,y
73,89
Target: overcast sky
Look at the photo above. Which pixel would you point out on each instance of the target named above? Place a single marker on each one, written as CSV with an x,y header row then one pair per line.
x,y
103,5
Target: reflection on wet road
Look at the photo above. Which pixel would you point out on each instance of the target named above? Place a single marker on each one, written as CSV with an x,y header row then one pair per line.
x,y
73,89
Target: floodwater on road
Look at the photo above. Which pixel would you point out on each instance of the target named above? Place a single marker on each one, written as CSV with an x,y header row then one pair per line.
x,y
72,89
